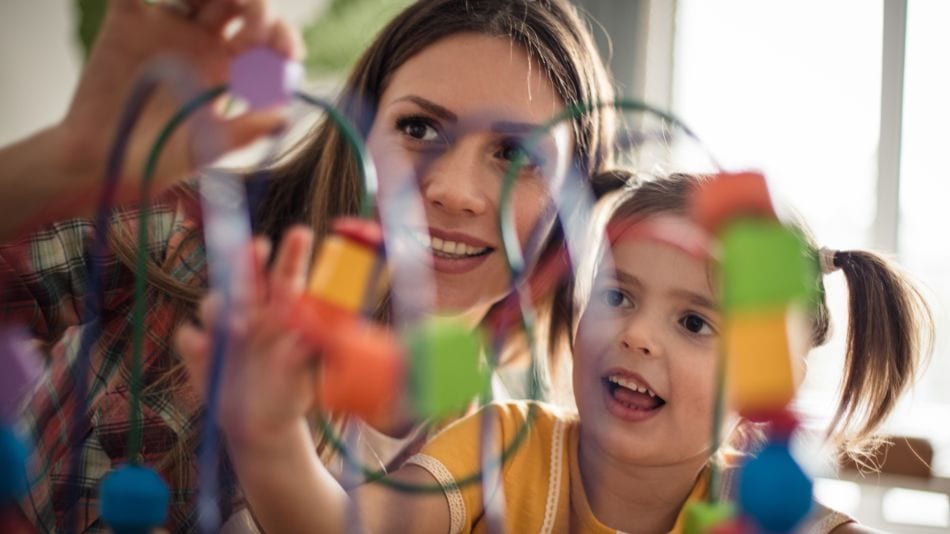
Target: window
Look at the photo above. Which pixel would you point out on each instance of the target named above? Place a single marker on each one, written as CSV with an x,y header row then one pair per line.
x,y
795,89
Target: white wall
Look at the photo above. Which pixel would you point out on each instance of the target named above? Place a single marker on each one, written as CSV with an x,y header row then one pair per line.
x,y
39,64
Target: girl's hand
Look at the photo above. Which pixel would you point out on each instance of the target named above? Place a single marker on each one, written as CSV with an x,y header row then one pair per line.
x,y
133,35
268,382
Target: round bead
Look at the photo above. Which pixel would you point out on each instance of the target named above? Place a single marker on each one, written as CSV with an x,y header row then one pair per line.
x,y
13,455
773,490
133,499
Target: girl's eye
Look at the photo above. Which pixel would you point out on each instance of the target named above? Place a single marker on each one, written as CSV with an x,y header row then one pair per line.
x,y
418,128
696,324
616,299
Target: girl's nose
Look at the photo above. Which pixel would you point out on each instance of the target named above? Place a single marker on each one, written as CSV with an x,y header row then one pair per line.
x,y
457,181
639,336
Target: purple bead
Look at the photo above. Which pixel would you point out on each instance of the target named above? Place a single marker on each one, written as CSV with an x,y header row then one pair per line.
x,y
264,78
21,365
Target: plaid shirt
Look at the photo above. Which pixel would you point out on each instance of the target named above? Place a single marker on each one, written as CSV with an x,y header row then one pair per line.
x,y
43,279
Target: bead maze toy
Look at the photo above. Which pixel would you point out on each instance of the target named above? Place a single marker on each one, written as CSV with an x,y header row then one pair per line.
x,y
438,365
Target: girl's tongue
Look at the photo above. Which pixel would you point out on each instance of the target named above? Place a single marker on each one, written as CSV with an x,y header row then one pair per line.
x,y
634,399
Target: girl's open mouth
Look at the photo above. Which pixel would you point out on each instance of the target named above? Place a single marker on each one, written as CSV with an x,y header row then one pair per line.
x,y
630,400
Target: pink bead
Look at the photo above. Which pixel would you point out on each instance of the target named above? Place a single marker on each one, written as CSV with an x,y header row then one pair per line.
x,y
264,78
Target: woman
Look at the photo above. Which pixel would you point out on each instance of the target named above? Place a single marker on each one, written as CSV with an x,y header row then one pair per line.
x,y
445,92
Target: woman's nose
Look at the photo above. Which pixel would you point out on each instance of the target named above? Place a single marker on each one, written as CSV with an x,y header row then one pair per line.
x,y
457,181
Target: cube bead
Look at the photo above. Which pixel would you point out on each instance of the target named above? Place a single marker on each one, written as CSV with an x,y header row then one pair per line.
x,y
765,265
447,370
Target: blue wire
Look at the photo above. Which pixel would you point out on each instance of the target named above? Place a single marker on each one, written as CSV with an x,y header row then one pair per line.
x,y
93,298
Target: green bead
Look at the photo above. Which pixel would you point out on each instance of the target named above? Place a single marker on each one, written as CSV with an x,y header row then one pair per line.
x,y
765,265
447,370
702,516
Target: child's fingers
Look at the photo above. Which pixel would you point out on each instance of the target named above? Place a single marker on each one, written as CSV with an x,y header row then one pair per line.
x,y
208,310
261,246
194,347
288,276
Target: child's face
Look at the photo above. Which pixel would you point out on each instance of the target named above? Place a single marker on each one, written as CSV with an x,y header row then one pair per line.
x,y
651,325
450,118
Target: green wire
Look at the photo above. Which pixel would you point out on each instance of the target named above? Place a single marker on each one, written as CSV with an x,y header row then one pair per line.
x,y
365,166
138,313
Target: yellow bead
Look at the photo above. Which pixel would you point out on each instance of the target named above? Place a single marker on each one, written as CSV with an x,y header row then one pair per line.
x,y
343,273
762,361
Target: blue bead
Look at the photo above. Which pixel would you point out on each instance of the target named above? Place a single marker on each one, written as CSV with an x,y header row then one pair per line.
x,y
13,456
133,499
773,490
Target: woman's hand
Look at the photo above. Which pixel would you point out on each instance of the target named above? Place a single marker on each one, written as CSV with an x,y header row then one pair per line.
x,y
268,382
57,173
133,35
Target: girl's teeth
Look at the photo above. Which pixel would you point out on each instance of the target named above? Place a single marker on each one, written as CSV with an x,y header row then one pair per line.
x,y
437,243
632,386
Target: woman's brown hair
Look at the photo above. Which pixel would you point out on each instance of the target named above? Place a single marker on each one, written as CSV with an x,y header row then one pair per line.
x,y
890,327
324,169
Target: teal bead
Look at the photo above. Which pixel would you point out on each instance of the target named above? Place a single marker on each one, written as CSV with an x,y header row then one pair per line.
x,y
133,499
13,457
774,492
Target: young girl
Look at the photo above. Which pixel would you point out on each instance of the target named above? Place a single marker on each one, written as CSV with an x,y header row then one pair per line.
x,y
443,94
638,448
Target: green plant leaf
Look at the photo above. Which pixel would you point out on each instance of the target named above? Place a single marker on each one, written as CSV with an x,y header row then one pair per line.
x,y
91,13
341,33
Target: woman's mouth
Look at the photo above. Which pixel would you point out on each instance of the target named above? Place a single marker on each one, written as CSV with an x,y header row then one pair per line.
x,y
452,253
446,248
630,399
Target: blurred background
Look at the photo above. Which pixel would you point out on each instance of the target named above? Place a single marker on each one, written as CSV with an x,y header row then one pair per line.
x,y
842,103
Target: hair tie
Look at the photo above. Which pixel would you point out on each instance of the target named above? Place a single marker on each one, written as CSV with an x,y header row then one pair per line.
x,y
826,258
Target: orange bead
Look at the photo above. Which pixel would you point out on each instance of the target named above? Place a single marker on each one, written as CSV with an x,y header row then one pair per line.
x,y
362,370
761,373
348,271
731,195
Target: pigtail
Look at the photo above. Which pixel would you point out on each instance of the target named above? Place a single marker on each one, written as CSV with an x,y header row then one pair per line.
x,y
890,327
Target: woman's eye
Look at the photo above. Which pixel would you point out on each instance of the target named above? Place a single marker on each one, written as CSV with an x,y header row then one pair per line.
x,y
418,128
616,299
510,150
696,324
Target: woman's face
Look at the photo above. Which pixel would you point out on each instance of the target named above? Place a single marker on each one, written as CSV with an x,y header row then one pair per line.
x,y
645,356
451,118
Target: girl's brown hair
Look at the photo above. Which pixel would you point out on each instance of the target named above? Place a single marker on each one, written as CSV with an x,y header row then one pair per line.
x,y
890,326
319,180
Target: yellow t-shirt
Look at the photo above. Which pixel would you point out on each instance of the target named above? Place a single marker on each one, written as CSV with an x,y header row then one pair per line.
x,y
541,480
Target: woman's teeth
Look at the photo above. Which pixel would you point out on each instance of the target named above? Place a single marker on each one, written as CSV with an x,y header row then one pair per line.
x,y
447,249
